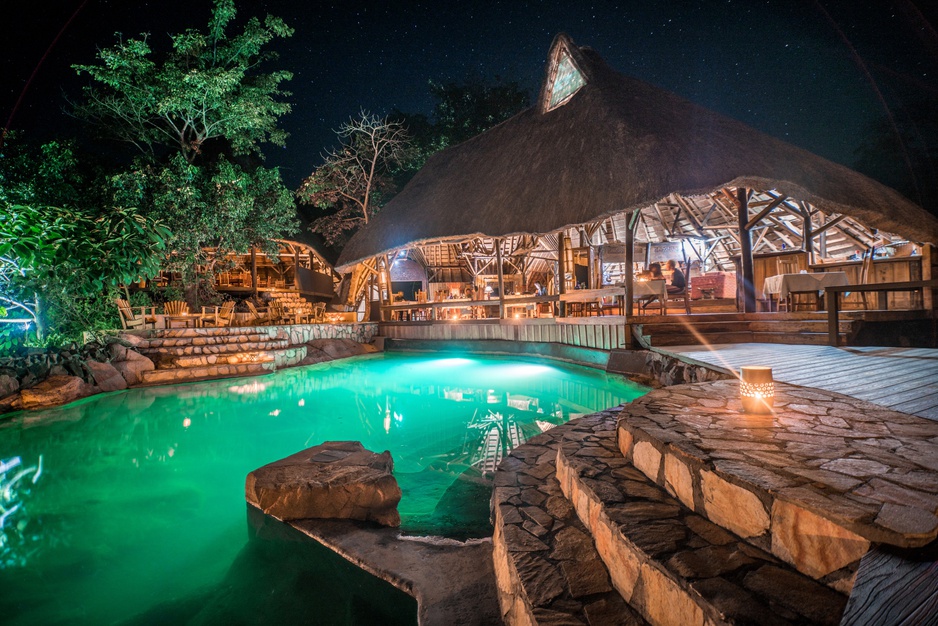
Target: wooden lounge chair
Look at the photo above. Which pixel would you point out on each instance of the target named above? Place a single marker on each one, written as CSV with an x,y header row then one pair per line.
x,y
176,307
318,314
137,316
218,316
260,316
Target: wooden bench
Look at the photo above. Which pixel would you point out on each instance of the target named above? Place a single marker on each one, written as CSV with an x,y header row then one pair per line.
x,y
881,289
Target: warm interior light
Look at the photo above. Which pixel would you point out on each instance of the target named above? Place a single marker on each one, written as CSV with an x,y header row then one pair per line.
x,y
756,389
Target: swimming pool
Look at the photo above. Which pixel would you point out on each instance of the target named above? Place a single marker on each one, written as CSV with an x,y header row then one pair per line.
x,y
138,502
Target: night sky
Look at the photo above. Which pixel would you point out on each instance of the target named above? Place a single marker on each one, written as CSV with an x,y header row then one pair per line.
x,y
814,73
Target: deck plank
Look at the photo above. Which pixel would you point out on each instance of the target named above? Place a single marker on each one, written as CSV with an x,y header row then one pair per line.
x,y
904,379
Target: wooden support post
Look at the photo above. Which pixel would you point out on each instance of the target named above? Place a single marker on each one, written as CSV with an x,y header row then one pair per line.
x,y
807,238
501,279
296,267
562,272
745,250
629,304
833,322
254,270
388,297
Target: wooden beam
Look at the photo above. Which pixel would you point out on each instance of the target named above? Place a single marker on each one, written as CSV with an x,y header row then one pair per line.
x,y
807,239
686,205
828,225
764,212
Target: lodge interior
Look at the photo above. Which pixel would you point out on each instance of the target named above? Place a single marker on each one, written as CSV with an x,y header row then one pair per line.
x,y
487,277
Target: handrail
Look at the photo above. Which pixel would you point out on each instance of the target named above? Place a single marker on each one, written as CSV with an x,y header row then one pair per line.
x,y
833,302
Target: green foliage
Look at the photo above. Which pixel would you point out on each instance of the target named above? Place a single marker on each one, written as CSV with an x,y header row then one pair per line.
x,y
899,151
52,174
207,87
61,267
219,205
462,111
208,90
355,179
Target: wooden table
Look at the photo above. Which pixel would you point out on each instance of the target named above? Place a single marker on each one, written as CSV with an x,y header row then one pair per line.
x,y
783,286
657,288
188,321
591,299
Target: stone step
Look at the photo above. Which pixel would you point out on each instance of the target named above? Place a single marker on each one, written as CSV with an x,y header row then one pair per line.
x,y
228,358
210,340
208,331
222,348
546,567
282,358
815,483
671,565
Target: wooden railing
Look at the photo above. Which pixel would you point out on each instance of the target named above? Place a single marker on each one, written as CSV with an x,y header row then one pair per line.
x,y
881,289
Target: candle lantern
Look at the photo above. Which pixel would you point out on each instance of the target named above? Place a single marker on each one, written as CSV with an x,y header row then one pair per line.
x,y
756,389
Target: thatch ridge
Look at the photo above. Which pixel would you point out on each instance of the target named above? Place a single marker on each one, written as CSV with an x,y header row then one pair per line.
x,y
618,144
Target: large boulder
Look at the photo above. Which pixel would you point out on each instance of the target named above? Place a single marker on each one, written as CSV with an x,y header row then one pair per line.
x,y
8,385
133,370
340,348
337,479
106,376
53,391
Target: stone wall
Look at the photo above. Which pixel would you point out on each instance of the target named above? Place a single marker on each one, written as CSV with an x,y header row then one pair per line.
x,y
54,376
663,370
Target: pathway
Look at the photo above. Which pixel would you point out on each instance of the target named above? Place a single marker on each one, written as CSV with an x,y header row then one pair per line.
x,y
902,379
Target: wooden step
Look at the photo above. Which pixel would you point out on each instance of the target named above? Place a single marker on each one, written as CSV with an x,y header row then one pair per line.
x,y
815,483
672,565
689,338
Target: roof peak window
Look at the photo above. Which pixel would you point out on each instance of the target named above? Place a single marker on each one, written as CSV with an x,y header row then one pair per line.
x,y
564,75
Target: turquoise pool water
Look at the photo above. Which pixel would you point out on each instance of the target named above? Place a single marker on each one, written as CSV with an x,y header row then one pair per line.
x,y
130,506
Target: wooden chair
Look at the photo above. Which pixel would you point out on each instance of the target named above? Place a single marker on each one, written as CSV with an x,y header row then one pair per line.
x,y
219,316
176,307
137,316
319,311
682,296
260,316
276,314
678,296
866,270
787,265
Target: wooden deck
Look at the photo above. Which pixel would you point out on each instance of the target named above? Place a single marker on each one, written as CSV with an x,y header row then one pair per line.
x,y
902,379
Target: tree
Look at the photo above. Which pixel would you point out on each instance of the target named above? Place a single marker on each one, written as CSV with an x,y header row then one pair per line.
x,y
53,259
462,111
354,181
207,88
198,115
222,205
900,150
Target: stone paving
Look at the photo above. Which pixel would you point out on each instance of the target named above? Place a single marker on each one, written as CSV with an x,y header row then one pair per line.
x,y
670,564
815,483
546,567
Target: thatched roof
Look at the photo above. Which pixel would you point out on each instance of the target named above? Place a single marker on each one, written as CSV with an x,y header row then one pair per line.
x,y
618,144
